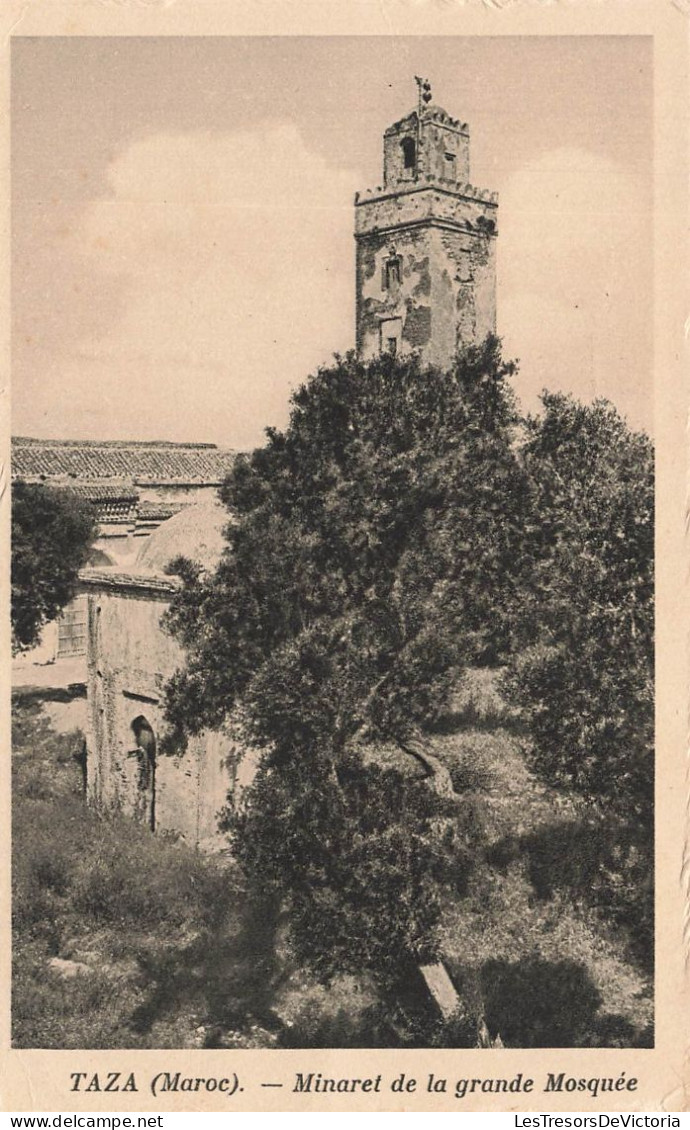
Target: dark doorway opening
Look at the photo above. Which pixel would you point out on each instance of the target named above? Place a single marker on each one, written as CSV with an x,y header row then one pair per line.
x,y
146,753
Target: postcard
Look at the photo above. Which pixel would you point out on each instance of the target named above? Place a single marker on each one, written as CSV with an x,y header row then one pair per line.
x,y
345,468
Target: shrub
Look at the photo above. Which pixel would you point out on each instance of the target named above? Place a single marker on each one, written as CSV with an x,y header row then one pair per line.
x,y
134,877
603,866
87,1011
539,1004
467,777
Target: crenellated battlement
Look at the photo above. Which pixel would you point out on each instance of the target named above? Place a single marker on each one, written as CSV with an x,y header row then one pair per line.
x,y
466,191
429,114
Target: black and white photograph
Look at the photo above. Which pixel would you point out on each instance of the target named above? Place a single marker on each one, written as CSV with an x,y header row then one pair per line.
x,y
333,549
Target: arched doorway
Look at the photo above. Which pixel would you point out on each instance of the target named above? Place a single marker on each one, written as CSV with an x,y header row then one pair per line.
x,y
145,752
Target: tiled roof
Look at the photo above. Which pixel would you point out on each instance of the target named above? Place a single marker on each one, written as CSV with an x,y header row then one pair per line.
x,y
114,500
142,463
158,511
114,490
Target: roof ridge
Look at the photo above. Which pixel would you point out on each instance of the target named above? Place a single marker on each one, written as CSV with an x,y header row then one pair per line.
x,y
126,443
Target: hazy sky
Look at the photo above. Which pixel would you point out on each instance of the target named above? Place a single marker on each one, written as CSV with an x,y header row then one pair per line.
x,y
183,214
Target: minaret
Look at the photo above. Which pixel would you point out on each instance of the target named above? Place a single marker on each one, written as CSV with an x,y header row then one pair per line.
x,y
426,243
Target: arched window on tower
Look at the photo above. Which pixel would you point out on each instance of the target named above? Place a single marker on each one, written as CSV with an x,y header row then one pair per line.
x,y
392,272
409,151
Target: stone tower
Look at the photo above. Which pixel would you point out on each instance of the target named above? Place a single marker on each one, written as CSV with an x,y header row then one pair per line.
x,y
426,243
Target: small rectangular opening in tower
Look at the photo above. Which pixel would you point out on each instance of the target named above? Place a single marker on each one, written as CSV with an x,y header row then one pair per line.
x,y
391,336
451,167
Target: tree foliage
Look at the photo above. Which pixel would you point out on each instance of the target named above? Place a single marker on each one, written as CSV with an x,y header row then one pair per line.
x,y
365,853
52,532
369,543
368,561
585,679
404,525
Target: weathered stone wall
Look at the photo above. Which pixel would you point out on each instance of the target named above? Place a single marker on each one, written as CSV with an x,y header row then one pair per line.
x,y
467,207
129,660
185,493
445,298
116,542
436,138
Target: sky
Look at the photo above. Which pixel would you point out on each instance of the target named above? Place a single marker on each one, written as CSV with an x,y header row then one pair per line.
x,y
182,218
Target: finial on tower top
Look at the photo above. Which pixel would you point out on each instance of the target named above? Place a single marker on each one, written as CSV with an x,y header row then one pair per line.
x,y
424,89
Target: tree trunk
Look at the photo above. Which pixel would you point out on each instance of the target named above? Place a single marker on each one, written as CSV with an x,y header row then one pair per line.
x,y
435,771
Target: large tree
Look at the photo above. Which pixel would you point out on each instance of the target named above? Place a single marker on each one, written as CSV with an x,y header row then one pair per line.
x,y
370,557
583,677
52,533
